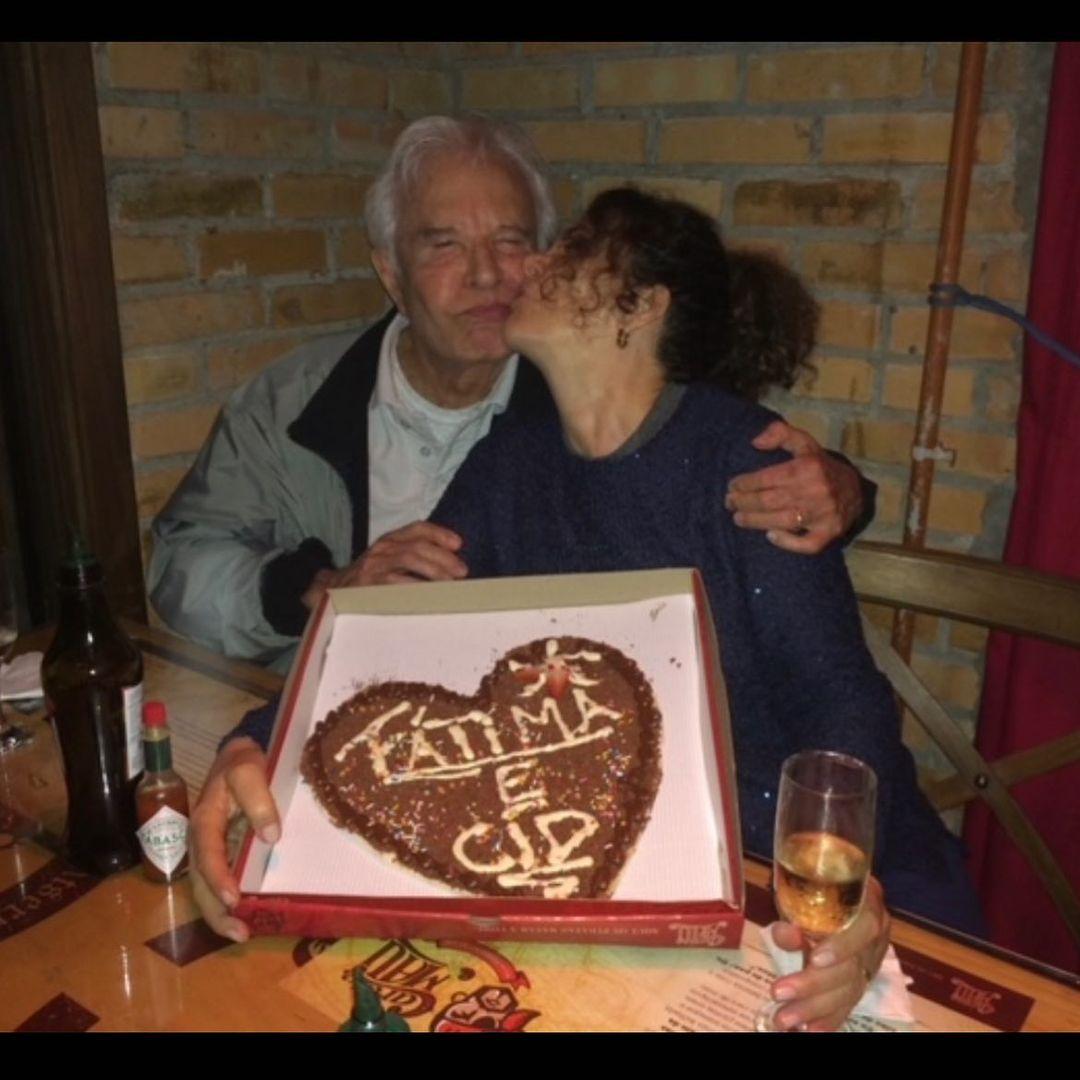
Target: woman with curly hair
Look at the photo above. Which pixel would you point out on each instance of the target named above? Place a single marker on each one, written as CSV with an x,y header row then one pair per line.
x,y
629,318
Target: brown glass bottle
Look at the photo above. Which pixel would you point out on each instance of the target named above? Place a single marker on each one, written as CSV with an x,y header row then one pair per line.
x,y
92,676
161,803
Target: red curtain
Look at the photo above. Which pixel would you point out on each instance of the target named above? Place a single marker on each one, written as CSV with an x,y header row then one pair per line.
x,y
1032,689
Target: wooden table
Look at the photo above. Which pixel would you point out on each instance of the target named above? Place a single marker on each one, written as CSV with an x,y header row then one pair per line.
x,y
122,954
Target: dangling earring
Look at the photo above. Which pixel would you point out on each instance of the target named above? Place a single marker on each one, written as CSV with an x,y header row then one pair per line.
x,y
622,338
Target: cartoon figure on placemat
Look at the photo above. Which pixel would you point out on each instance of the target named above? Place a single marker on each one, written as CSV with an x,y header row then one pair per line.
x,y
434,990
491,1008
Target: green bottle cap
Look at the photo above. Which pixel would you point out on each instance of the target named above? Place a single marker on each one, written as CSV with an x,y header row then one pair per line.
x,y
79,556
368,1015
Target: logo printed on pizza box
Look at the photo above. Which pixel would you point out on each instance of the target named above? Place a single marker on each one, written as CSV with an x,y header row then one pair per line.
x,y
709,935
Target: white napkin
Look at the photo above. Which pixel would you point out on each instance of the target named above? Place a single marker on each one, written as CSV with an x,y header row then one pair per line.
x,y
886,996
21,679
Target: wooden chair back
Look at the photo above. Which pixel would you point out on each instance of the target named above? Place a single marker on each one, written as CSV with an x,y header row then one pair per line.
x,y
999,597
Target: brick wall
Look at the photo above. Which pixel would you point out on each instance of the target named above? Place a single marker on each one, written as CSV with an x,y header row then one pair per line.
x,y
834,157
236,176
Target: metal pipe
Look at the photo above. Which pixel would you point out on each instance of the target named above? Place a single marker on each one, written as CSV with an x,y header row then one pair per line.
x,y
925,449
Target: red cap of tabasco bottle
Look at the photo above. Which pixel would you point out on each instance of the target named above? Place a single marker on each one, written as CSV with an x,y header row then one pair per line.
x,y
154,715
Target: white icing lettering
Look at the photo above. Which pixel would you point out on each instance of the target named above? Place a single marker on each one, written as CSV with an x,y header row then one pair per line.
x,y
452,771
551,874
540,677
475,716
559,888
589,709
556,662
526,855
585,654
370,735
461,741
421,748
501,865
427,760
549,711
508,779
492,737
559,850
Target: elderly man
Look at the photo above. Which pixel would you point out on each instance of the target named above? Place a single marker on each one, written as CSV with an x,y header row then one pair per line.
x,y
321,470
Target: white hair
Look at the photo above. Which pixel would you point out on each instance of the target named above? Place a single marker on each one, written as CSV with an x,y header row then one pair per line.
x,y
479,138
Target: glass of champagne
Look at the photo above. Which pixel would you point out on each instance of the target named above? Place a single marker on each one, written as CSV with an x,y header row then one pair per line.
x,y
11,736
823,847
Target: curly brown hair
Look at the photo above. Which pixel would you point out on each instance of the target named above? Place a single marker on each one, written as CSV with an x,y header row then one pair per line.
x,y
737,319
774,324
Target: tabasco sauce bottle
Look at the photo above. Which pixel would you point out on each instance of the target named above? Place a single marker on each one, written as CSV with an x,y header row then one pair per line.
x,y
93,680
161,803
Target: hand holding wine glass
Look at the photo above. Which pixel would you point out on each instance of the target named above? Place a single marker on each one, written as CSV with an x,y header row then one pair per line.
x,y
824,843
822,995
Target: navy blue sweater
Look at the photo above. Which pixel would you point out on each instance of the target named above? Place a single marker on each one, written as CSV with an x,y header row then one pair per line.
x,y
798,672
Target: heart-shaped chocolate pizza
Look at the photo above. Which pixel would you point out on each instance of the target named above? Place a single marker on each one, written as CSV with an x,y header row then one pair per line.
x,y
540,785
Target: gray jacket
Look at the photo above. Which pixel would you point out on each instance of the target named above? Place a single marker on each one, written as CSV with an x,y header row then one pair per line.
x,y
278,491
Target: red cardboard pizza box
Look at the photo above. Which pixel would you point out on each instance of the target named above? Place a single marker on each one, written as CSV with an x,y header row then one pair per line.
x,y
681,885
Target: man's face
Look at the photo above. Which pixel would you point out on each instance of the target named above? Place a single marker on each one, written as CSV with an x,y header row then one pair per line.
x,y
463,237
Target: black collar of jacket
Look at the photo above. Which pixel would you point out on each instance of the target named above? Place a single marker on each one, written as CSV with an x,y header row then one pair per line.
x,y
334,422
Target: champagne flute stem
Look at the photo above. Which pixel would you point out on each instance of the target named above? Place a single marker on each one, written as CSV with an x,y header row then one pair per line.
x,y
810,943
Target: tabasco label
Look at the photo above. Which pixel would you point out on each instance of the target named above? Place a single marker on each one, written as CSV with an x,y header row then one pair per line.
x,y
164,839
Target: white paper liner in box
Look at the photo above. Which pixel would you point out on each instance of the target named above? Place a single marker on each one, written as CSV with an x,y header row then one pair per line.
x,y
681,855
